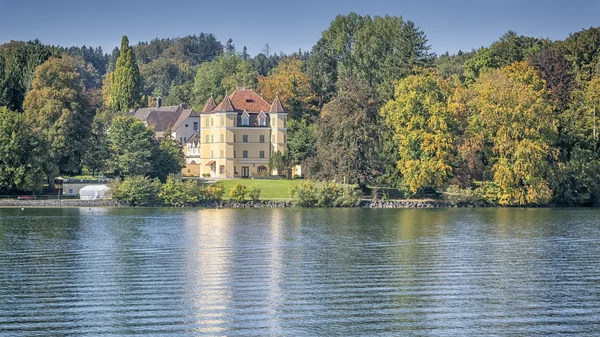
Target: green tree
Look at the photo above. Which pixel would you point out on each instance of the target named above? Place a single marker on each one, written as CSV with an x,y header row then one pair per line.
x,y
301,140
380,50
23,154
349,135
58,106
167,158
131,146
220,76
423,128
126,82
278,161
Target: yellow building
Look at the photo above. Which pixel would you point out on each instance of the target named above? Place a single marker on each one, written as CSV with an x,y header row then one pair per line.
x,y
237,137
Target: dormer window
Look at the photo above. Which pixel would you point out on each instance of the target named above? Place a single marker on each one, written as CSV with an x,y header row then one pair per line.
x,y
245,119
262,119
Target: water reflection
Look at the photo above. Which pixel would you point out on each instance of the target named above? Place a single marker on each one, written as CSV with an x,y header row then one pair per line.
x,y
299,272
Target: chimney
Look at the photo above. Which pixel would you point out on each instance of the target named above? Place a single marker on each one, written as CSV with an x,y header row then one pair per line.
x,y
183,105
158,102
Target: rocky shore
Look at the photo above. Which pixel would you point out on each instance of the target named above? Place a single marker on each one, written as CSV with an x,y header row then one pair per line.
x,y
228,203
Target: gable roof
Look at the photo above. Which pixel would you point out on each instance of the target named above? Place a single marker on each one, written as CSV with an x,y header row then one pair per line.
x,y
165,118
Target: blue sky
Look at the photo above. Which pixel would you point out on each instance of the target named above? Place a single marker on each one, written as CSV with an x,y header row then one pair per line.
x,y
285,25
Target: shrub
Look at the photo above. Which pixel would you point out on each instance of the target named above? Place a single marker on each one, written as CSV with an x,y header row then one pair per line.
x,y
179,194
255,193
486,193
304,194
307,194
348,197
214,193
206,175
238,192
136,191
326,194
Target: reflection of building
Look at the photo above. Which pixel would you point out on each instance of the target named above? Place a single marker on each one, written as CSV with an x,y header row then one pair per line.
x,y
237,136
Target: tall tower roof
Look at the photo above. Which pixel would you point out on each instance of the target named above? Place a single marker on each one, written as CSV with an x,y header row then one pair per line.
x,y
210,105
277,106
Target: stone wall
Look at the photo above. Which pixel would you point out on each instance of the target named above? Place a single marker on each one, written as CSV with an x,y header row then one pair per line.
x,y
59,203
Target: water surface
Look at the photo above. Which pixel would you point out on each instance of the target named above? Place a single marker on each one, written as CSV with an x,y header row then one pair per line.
x,y
294,272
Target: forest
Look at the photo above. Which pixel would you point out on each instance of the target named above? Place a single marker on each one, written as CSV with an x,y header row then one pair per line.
x,y
510,124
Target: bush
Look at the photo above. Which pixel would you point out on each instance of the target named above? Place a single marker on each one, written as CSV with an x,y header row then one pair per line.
x,y
206,175
255,193
486,193
308,194
304,194
214,193
327,193
348,197
238,192
179,194
136,191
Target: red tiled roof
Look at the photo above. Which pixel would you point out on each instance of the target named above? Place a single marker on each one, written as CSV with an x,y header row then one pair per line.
x,y
210,105
243,99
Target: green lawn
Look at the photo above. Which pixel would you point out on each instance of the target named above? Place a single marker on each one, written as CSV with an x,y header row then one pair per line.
x,y
270,189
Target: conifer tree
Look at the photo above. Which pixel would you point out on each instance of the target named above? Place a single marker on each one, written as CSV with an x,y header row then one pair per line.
x,y
126,86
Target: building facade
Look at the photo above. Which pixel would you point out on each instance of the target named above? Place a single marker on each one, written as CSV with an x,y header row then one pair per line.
x,y
182,122
237,137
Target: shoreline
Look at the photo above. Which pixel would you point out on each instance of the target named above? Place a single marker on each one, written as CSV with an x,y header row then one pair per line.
x,y
413,203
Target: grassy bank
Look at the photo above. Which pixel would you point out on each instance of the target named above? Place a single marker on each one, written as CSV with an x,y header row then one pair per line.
x,y
270,189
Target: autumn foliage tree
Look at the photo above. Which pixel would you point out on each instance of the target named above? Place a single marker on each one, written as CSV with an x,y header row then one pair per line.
x,y
423,129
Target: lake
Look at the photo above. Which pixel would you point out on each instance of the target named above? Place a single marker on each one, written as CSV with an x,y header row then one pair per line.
x,y
299,272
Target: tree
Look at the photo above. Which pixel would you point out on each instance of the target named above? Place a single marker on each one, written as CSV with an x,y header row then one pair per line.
x,y
278,162
380,50
168,158
508,49
23,154
220,76
20,61
349,134
293,87
423,129
56,105
301,141
582,50
513,116
552,67
131,147
126,82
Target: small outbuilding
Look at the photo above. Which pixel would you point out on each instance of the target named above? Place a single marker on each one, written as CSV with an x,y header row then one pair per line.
x,y
93,192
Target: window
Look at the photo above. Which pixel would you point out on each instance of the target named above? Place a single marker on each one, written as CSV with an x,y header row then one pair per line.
x,y
245,154
284,139
245,119
222,154
181,139
262,138
195,126
70,191
235,138
222,120
262,119
207,122
285,123
206,139
212,138
184,139
262,154
234,154
212,121
221,169
212,154
245,138
222,138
